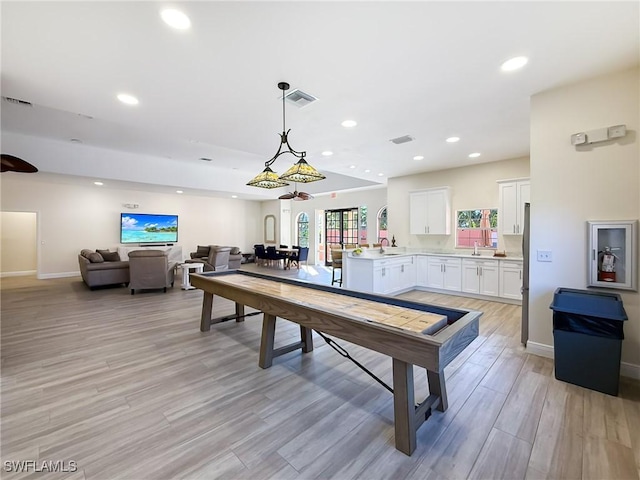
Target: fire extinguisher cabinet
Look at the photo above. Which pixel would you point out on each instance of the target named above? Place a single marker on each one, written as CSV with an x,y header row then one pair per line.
x,y
612,254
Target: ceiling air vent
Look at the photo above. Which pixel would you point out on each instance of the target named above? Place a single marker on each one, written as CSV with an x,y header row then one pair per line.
x,y
205,159
17,101
299,98
403,139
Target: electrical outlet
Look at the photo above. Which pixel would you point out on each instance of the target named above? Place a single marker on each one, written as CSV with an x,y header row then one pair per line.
x,y
544,255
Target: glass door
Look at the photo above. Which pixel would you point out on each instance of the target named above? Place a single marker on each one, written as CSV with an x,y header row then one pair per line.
x,y
341,228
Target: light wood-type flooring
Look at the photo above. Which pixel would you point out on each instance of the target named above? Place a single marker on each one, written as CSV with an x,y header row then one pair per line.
x,y
129,388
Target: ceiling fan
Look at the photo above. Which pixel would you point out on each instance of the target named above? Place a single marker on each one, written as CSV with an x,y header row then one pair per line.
x,y
296,196
15,164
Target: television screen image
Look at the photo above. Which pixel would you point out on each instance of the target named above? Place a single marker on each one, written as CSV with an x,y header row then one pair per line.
x,y
148,228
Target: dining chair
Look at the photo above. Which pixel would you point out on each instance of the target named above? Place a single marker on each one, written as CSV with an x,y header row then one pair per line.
x,y
274,256
261,254
336,264
300,256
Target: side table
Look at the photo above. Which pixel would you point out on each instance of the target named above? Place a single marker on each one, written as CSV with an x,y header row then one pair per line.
x,y
196,267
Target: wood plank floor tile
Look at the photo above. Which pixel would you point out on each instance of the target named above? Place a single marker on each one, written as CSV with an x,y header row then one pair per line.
x,y
503,456
604,417
607,459
558,446
521,412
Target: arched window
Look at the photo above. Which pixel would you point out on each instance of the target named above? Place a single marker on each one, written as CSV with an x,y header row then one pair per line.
x,y
302,230
382,224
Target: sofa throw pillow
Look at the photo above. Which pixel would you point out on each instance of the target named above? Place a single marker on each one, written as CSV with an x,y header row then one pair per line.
x,y
202,251
85,252
109,256
95,257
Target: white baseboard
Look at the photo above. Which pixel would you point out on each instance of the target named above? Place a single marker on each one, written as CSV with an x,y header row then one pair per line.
x,y
539,349
17,274
626,369
46,276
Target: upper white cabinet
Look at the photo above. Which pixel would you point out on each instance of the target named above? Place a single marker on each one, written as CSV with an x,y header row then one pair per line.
x,y
513,195
430,212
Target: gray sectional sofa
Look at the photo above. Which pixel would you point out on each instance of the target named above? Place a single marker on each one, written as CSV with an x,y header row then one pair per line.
x,y
104,268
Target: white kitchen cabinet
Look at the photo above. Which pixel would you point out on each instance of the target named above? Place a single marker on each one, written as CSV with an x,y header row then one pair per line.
x,y
511,279
481,277
430,212
444,273
422,270
513,195
385,275
381,279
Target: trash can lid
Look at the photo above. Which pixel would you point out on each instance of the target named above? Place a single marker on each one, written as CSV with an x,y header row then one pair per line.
x,y
587,302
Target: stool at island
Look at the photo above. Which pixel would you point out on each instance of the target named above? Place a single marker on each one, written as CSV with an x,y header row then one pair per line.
x,y
196,267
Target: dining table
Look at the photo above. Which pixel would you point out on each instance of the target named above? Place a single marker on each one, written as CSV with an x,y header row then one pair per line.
x,y
288,252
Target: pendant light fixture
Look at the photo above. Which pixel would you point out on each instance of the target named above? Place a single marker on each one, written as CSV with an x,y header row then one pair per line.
x,y
301,172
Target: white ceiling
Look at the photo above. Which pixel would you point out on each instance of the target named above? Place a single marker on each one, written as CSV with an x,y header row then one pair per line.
x,y
425,69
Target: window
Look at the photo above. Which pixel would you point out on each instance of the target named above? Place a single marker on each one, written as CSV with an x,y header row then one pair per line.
x,y
382,224
363,224
302,229
480,225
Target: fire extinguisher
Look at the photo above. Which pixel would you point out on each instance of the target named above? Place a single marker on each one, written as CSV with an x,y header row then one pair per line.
x,y
606,265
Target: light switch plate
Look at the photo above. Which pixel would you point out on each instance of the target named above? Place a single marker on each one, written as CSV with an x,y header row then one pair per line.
x,y
544,255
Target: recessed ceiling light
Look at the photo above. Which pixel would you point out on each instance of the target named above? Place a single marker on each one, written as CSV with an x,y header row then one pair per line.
x,y
175,18
179,191
453,139
234,196
514,64
98,183
418,157
349,123
128,99
381,174
327,153
367,171
352,166
474,155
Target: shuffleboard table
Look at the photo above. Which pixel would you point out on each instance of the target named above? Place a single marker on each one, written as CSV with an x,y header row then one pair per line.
x,y
410,333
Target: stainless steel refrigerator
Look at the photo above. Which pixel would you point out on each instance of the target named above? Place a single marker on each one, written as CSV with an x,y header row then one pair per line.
x,y
526,232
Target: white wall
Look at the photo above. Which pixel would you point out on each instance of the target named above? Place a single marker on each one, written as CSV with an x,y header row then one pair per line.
x,y
73,217
471,187
570,185
18,243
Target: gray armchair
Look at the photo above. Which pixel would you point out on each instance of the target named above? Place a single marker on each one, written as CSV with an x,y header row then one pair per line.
x,y
150,269
235,258
218,258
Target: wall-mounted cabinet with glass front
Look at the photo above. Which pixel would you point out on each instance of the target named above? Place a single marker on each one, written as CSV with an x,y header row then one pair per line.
x,y
612,254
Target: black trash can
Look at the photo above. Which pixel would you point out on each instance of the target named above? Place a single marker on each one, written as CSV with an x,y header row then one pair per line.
x,y
587,335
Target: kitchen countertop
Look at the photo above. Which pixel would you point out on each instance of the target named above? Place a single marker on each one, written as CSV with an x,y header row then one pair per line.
x,y
372,254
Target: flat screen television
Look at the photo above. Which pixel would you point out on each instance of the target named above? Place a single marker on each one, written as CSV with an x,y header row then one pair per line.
x,y
148,228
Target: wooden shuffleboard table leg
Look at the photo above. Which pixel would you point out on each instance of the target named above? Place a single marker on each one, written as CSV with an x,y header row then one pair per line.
x,y
438,387
207,306
239,312
404,407
306,335
266,343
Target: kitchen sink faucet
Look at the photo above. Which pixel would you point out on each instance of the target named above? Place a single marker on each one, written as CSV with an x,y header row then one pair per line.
x,y
382,240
